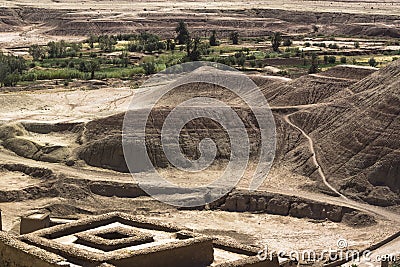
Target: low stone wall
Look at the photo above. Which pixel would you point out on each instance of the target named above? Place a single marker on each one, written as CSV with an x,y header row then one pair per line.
x,y
110,189
14,253
278,204
251,258
103,239
34,172
45,128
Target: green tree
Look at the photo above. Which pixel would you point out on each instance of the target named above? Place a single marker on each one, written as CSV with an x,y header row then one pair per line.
x,y
326,59
234,37
4,71
124,59
52,49
74,49
37,52
172,46
12,79
276,41
314,64
149,68
333,46
372,62
195,54
82,67
169,44
92,39
147,42
150,47
213,38
183,34
11,68
92,67
331,59
106,43
241,61
57,49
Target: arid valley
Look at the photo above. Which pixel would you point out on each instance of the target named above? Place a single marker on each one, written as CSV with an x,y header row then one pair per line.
x,y
75,76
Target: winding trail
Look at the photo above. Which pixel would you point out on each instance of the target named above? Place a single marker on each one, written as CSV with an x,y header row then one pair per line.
x,y
314,156
340,199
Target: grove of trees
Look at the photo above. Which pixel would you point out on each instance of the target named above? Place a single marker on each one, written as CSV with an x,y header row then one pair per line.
x,y
146,42
11,68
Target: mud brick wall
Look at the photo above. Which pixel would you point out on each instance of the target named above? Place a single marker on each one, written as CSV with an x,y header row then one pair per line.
x,y
271,203
14,253
198,253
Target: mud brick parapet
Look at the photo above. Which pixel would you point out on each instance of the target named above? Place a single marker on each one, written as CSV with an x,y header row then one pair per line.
x,y
122,240
14,253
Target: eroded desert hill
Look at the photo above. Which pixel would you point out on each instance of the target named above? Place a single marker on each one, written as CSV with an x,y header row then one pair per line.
x,y
357,137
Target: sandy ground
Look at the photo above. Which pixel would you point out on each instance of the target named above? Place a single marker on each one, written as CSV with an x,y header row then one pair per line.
x,y
64,104
54,139
32,34
282,233
16,180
